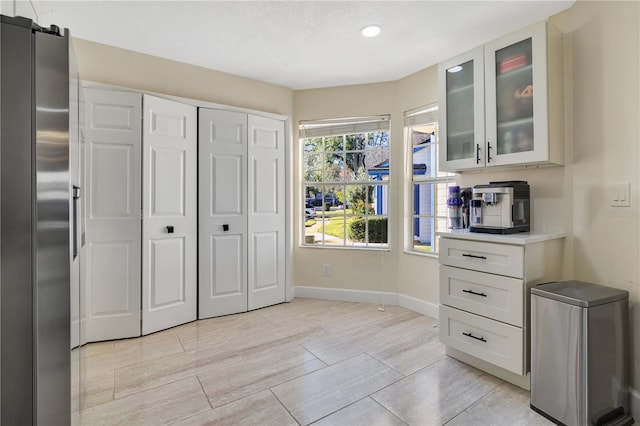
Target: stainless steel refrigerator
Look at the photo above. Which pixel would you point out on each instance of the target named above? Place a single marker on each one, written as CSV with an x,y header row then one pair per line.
x,y
35,202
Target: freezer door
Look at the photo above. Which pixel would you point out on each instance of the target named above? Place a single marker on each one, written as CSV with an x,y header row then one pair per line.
x,y
52,292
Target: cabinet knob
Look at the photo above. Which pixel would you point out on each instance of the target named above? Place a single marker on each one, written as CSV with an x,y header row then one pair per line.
x,y
169,229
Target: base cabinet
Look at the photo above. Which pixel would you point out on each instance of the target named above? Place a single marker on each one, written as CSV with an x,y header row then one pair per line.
x,y
484,297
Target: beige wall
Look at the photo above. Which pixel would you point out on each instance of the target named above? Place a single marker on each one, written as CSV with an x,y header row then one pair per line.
x,y
602,79
393,270
125,68
602,50
603,41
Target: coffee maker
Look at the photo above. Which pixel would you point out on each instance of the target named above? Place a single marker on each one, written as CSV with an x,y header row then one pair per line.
x,y
500,208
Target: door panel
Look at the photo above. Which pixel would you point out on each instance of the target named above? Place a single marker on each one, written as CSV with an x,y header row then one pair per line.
x,y
169,261
265,186
227,254
266,219
111,267
266,264
168,167
222,215
166,264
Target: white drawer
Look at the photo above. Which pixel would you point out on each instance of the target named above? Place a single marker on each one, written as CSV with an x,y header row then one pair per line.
x,y
492,341
493,296
501,259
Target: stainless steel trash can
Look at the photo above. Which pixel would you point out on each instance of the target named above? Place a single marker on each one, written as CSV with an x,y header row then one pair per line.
x,y
579,355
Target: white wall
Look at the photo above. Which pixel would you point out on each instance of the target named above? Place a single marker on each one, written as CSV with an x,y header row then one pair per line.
x,y
19,8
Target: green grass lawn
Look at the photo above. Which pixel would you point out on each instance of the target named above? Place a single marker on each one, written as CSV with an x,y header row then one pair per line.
x,y
335,226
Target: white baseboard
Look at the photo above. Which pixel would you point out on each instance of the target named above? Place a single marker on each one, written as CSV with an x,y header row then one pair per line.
x,y
376,297
344,295
418,305
634,396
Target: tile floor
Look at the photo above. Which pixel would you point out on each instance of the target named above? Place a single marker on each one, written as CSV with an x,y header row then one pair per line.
x,y
305,362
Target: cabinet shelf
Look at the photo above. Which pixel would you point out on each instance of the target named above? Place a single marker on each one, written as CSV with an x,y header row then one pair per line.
x,y
515,73
460,90
460,134
515,123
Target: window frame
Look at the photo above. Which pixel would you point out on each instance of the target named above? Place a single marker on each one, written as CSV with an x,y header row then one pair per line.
x,y
424,117
336,128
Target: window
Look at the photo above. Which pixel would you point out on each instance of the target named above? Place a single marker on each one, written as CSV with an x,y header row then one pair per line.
x,y
428,186
345,173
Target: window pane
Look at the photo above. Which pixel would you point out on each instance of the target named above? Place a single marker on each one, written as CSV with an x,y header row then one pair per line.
x,y
423,233
313,145
356,165
334,143
356,142
378,139
377,162
423,157
313,167
333,166
368,231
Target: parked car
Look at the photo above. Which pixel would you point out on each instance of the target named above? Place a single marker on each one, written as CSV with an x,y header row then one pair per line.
x,y
309,212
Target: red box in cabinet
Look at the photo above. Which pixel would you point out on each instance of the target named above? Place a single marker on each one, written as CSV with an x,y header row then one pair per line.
x,y
513,63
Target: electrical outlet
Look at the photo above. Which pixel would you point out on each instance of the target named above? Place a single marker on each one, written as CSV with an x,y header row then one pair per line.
x,y
326,271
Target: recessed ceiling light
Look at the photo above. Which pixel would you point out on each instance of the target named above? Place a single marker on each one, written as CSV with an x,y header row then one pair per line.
x,y
371,30
455,69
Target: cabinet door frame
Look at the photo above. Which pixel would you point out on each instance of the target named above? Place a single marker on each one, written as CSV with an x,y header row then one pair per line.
x,y
540,153
478,161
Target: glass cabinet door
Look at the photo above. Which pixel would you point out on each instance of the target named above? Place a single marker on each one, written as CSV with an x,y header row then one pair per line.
x,y
462,111
516,97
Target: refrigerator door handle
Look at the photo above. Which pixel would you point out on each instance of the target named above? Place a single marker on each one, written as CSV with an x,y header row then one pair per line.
x,y
76,201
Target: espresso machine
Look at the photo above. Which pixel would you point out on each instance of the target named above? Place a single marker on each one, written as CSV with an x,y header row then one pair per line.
x,y
500,208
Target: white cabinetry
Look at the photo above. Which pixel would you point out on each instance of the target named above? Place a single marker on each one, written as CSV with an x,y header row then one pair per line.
x,y
484,297
501,104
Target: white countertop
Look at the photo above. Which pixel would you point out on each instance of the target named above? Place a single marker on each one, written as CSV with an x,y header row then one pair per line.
x,y
521,238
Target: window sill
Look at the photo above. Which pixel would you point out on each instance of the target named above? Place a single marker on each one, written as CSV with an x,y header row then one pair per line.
x,y
318,247
422,254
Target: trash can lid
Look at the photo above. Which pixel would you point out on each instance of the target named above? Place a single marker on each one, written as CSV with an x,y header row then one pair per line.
x,y
580,293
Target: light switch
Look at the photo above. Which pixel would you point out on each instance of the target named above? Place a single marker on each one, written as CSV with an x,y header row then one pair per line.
x,y
620,194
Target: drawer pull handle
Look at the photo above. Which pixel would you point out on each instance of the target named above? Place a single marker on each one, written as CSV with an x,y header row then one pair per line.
x,y
482,339
475,293
474,256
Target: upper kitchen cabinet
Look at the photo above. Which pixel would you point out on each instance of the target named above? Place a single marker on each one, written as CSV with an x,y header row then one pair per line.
x,y
462,111
516,118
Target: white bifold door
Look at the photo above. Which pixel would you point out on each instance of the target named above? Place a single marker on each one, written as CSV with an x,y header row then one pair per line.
x,y
169,236
112,181
267,217
241,214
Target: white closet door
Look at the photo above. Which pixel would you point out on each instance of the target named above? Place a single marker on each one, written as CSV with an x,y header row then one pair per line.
x,y
111,265
169,214
266,212
222,212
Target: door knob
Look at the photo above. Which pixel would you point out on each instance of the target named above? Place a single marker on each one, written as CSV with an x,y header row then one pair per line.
x,y
169,229
225,227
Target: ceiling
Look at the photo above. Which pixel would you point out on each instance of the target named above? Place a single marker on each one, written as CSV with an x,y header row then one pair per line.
x,y
298,44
